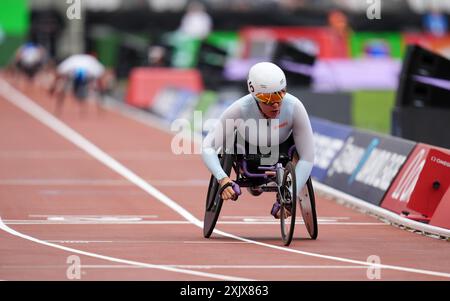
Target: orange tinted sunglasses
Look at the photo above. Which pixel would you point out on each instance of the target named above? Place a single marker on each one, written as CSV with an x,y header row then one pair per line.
x,y
271,98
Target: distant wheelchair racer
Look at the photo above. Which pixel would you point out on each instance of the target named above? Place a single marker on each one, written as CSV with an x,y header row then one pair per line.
x,y
81,73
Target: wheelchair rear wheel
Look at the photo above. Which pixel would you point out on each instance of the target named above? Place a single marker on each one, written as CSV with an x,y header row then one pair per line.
x,y
308,207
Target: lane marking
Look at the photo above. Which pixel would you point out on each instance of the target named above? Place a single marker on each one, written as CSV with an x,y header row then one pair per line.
x,y
106,222
248,220
89,193
271,219
139,241
135,221
50,154
300,222
97,182
195,267
102,219
214,242
266,217
269,267
44,154
93,216
27,105
123,261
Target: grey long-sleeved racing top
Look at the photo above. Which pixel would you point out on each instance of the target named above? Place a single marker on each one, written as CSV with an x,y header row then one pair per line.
x,y
245,117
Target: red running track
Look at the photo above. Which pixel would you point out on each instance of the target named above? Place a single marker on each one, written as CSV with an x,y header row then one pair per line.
x,y
58,200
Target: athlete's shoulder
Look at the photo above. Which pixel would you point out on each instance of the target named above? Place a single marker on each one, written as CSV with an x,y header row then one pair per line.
x,y
293,101
243,102
246,99
246,104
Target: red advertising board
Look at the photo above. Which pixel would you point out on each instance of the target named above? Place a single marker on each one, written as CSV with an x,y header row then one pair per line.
x,y
398,195
441,217
145,83
325,41
411,185
432,184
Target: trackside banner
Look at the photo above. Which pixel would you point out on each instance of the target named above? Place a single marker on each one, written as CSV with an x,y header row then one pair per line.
x,y
367,164
433,183
399,194
329,139
441,217
420,188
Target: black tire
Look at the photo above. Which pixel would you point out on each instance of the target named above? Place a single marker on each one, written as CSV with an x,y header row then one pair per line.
x,y
289,192
213,200
308,208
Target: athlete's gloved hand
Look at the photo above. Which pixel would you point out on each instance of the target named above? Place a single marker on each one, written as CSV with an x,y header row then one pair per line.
x,y
232,191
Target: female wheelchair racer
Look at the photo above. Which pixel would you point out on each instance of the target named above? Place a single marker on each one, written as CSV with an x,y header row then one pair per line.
x,y
280,117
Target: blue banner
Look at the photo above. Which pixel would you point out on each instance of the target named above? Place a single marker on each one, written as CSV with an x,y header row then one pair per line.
x,y
329,138
367,165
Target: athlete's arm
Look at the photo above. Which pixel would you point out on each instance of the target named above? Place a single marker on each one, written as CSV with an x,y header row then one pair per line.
x,y
223,132
304,143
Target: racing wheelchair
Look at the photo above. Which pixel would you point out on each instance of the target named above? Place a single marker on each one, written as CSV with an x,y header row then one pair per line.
x,y
278,178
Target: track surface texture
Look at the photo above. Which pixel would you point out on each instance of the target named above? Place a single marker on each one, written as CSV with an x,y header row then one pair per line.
x,y
107,192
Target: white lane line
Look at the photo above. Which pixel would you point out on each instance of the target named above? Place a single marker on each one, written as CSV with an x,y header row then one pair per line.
x,y
57,221
49,154
64,182
282,267
44,154
194,267
141,241
69,216
118,260
61,222
27,105
84,241
266,217
97,182
214,242
302,223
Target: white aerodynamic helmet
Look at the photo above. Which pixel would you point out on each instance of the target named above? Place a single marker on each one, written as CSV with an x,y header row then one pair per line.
x,y
266,82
